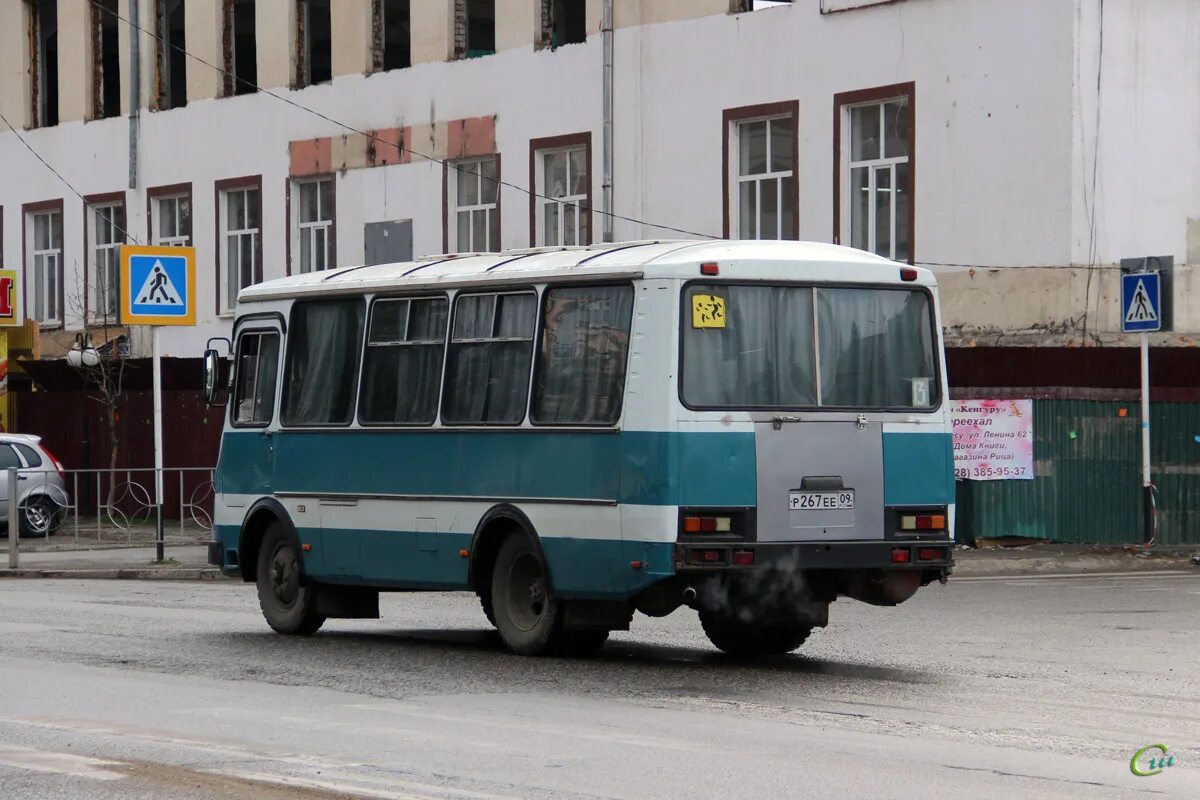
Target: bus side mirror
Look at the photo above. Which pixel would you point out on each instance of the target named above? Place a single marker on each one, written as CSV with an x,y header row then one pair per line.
x,y
216,376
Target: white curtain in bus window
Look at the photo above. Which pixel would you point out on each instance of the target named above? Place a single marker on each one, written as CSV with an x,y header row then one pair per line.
x,y
487,368
581,366
875,345
402,369
757,353
258,363
322,362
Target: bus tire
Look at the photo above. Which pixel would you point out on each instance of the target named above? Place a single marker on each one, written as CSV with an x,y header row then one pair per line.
x,y
738,638
288,606
485,602
525,610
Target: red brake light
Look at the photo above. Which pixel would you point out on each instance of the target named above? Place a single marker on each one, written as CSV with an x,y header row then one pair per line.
x,y
710,269
930,554
710,555
908,274
62,473
900,555
743,558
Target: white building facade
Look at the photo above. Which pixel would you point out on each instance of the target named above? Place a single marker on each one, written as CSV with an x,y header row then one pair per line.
x,y
1020,148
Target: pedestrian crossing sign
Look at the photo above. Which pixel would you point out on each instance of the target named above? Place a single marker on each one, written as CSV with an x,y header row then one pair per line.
x,y
1141,302
158,285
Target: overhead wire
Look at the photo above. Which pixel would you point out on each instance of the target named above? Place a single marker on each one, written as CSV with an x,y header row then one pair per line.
x,y
401,147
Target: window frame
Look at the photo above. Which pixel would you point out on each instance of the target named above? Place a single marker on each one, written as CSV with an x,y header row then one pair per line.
x,y
379,38
497,291
731,118
451,208
297,227
842,103
304,43
231,84
237,368
537,354
815,286
362,361
91,204
163,51
537,149
220,190
174,191
28,212
285,364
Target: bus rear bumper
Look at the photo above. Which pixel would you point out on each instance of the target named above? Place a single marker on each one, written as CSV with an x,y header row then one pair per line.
x,y
932,555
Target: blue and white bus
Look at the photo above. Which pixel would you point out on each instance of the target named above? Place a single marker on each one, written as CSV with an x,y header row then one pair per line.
x,y
749,429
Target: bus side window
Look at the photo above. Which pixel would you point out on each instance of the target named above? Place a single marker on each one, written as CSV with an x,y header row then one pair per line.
x,y
582,356
258,366
487,367
321,374
402,368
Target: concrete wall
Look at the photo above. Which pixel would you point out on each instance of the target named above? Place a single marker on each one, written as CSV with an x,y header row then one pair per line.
x,y
204,40
14,65
998,169
351,35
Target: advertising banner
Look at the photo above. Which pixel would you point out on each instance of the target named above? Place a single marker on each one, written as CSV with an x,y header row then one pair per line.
x,y
993,439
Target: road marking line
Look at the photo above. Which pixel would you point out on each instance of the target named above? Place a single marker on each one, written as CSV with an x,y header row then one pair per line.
x,y
57,763
1045,576
355,790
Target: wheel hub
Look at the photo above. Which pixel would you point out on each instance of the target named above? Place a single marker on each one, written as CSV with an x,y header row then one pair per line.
x,y
527,596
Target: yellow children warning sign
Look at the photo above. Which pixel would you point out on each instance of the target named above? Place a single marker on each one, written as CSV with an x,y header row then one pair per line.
x,y
708,311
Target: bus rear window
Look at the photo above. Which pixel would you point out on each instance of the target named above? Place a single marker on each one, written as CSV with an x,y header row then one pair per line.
x,y
798,347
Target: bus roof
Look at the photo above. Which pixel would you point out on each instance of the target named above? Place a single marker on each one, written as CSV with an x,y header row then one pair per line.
x,y
648,259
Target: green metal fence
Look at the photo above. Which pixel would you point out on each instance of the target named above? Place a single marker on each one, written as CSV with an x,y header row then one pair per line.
x,y
1087,487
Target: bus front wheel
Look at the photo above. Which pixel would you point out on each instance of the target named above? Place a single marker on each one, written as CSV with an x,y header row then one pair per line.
x,y
739,638
288,605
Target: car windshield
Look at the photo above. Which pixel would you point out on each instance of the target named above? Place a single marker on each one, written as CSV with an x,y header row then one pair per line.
x,y
756,346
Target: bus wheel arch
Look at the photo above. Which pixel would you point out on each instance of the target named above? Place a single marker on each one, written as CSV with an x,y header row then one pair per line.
x,y
494,527
258,520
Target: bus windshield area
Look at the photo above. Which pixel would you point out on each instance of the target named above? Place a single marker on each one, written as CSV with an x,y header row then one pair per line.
x,y
773,346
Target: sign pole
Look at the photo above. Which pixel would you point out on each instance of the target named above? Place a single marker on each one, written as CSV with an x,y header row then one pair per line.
x,y
158,445
1147,486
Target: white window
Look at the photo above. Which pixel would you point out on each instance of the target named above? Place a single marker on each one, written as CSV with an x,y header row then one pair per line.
x,y
172,219
106,234
876,201
473,207
239,234
763,194
46,256
562,186
314,225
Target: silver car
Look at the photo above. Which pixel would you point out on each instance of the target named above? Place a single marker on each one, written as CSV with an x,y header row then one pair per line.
x,y
41,488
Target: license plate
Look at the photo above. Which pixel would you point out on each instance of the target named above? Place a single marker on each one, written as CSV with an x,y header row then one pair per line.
x,y
821,501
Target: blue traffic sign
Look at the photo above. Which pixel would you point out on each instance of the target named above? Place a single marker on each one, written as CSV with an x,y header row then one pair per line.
x,y
158,285
1141,302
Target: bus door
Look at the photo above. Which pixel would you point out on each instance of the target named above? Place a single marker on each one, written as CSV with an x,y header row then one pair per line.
x,y
248,452
819,477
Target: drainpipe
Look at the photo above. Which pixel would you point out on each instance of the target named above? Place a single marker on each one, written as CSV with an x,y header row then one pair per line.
x,y
606,30
135,95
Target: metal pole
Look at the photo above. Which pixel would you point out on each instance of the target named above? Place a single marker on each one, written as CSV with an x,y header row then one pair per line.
x,y
135,93
14,521
1147,486
158,446
606,188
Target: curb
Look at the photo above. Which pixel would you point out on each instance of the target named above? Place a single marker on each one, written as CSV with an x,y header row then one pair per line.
x,y
128,573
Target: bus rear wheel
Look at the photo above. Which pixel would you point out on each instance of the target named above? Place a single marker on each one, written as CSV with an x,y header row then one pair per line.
x,y
288,605
747,639
527,614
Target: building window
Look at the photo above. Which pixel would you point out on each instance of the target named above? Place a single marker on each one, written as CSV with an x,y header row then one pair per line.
x,y
393,35
314,56
172,54
563,22
240,47
474,28
239,208
761,197
44,232
106,62
171,216
487,366
43,62
874,152
562,201
105,235
314,224
474,206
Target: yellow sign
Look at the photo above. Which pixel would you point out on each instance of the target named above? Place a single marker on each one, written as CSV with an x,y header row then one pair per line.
x,y
158,285
10,298
708,311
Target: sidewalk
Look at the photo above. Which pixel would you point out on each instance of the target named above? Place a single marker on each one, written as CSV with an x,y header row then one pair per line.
x,y
190,562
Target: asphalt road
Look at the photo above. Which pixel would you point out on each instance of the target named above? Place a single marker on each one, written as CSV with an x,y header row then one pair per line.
x,y
985,688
